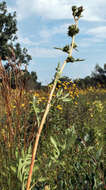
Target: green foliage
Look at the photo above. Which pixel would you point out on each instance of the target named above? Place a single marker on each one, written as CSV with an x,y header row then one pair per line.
x,y
72,59
70,153
21,55
66,48
73,150
15,173
23,167
8,29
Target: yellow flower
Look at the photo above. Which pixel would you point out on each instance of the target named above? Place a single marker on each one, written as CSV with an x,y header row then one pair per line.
x,y
76,103
74,85
13,106
71,92
50,85
22,105
36,94
65,87
59,107
43,98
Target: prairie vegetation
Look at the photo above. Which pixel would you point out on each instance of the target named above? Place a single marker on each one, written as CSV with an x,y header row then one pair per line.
x,y
71,148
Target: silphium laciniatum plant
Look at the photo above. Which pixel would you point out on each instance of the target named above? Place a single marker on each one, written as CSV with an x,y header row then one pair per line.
x,y
73,30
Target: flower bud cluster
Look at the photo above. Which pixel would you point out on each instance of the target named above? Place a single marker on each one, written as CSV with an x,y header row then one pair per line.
x,y
66,48
77,11
73,30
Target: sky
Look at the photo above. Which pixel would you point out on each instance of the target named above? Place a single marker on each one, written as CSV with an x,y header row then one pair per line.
x,y
43,25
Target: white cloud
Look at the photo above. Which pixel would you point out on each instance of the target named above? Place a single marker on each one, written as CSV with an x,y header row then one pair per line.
x,y
56,9
26,41
47,33
39,52
24,8
98,32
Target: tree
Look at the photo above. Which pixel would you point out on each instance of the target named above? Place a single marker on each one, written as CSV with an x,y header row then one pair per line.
x,y
12,55
10,51
29,81
99,70
99,75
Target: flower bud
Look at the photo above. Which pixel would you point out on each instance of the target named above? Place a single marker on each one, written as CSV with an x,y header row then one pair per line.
x,y
73,30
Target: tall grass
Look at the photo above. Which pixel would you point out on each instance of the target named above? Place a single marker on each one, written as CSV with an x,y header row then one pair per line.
x,y
17,124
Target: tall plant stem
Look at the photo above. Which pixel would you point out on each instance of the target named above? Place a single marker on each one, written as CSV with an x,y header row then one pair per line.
x,y
44,117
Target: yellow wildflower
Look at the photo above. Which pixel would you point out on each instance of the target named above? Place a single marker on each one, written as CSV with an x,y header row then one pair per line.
x,y
22,105
65,88
59,107
13,106
91,115
36,94
76,103
43,98
74,85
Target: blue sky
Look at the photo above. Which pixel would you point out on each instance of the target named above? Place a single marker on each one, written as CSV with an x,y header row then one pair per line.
x,y
42,25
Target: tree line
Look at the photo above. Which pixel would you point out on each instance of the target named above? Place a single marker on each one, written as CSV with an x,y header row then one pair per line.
x,y
97,78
